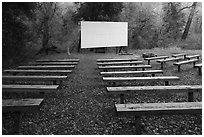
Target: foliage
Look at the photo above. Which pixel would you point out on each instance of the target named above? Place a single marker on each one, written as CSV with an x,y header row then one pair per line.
x,y
14,30
173,20
98,11
141,24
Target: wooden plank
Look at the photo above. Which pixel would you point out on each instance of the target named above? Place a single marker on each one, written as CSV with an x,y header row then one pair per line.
x,y
168,59
180,54
192,56
141,79
154,58
34,78
47,67
198,65
22,105
34,71
124,67
132,72
54,63
120,63
116,59
186,62
144,109
29,88
133,89
59,60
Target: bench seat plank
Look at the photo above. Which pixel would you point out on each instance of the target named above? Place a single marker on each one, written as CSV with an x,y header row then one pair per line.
x,y
186,62
127,89
21,105
34,77
59,60
143,109
34,71
29,88
54,63
161,78
192,56
180,54
168,59
47,67
132,72
155,58
120,63
125,67
162,61
116,59
198,65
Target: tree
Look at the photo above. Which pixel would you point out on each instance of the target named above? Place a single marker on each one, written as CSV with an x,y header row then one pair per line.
x,y
46,13
185,33
98,11
141,24
173,19
14,29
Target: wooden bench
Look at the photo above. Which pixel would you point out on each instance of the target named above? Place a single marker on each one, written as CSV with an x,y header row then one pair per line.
x,y
18,106
105,68
179,55
120,63
149,109
35,78
32,71
190,89
155,58
116,59
192,56
153,72
47,67
162,61
185,62
29,88
166,79
199,66
59,60
54,63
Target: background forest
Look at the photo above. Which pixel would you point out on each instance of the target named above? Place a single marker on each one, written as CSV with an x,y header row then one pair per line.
x,y
33,29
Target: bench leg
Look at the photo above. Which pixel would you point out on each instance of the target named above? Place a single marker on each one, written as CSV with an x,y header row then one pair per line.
x,y
138,125
42,94
162,65
148,62
16,126
184,57
153,75
114,84
166,83
55,82
190,96
199,71
122,99
179,68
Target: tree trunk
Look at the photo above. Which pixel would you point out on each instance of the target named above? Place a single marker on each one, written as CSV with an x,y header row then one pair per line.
x,y
188,24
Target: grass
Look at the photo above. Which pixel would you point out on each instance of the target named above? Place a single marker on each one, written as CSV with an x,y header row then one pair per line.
x,y
82,106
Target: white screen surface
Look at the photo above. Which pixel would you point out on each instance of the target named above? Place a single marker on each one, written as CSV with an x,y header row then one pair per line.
x,y
103,34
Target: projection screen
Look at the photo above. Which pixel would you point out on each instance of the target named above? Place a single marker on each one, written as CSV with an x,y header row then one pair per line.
x,y
103,34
